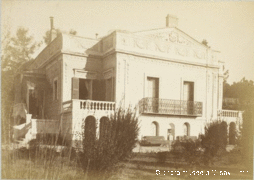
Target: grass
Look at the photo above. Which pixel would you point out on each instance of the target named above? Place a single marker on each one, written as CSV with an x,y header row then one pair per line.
x,y
46,163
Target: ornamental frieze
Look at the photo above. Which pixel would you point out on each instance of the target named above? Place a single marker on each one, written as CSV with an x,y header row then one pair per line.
x,y
175,44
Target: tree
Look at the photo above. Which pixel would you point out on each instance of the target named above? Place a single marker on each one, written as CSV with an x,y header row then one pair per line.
x,y
16,51
46,37
242,90
214,140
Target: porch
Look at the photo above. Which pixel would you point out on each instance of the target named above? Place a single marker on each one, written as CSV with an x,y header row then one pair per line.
x,y
30,130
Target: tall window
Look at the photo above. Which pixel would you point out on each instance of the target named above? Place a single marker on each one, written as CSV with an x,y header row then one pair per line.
x,y
109,89
155,128
188,91
84,88
153,87
188,97
153,94
55,89
186,129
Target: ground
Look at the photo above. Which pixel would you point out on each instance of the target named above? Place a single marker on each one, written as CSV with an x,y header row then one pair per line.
x,y
143,165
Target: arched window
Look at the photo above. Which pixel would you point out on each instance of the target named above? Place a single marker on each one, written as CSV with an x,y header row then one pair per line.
x,y
155,128
186,129
224,130
90,129
103,126
171,132
232,133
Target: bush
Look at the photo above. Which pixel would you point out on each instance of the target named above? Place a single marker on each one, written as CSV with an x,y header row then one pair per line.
x,y
246,139
188,149
214,141
205,148
118,136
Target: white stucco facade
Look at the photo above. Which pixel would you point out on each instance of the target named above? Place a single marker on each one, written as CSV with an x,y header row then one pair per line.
x,y
174,81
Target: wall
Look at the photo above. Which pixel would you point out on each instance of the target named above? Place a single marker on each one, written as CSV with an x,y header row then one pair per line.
x,y
71,62
196,125
131,84
53,107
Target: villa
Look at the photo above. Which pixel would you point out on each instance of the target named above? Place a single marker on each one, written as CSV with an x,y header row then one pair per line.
x,y
174,81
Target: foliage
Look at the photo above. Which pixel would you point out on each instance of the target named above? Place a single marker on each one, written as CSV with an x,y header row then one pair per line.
x,y
41,161
204,149
16,51
46,37
242,90
188,149
118,137
162,156
214,141
246,139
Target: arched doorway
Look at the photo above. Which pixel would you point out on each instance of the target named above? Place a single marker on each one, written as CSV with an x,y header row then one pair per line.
x,y
155,128
232,133
90,129
103,126
224,130
186,129
171,132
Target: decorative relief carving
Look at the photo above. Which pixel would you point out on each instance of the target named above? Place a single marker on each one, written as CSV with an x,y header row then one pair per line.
x,y
152,46
183,47
199,54
164,48
140,43
172,37
181,51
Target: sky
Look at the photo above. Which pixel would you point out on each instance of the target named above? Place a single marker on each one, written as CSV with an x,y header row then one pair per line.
x,y
227,26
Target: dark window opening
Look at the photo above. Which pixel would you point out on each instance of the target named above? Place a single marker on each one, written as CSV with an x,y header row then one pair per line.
x,y
84,87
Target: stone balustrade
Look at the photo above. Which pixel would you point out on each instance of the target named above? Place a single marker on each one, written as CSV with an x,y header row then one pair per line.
x,y
229,113
77,104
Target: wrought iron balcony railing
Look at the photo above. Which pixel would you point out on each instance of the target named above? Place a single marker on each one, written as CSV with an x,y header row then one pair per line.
x,y
170,107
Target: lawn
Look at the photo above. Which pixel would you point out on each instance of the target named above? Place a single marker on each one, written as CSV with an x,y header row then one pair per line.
x,y
45,164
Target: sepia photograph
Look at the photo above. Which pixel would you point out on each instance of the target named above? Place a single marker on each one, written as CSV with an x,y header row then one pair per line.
x,y
127,90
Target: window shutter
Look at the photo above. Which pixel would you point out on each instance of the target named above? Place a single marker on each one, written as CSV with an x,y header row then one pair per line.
x,y
75,88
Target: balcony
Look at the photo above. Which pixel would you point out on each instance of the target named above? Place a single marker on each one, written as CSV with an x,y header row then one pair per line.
x,y
170,107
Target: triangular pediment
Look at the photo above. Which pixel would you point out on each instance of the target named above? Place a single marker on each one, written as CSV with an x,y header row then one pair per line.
x,y
173,35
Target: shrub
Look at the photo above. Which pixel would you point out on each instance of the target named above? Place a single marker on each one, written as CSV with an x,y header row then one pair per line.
x,y
246,139
213,141
118,136
188,149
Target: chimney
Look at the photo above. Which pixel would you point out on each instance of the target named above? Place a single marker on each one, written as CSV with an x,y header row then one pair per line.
x,y
52,32
171,21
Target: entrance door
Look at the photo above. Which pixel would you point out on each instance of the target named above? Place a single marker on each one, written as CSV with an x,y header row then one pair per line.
x,y
153,93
